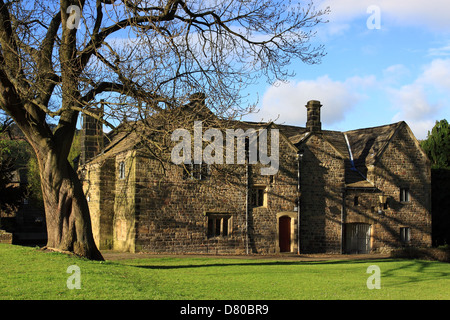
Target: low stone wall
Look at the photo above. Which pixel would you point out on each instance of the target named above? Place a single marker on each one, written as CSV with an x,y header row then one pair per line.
x,y
5,237
438,254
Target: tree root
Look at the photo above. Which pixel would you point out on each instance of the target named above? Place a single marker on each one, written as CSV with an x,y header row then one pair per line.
x,y
56,250
96,256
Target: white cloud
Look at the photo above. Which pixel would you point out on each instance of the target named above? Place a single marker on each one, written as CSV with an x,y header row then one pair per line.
x,y
286,102
423,101
395,73
432,14
437,74
412,103
419,101
442,51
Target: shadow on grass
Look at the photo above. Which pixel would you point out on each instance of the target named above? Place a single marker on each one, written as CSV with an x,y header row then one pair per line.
x,y
417,271
395,273
260,263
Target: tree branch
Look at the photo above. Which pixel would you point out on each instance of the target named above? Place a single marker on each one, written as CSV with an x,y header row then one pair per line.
x,y
124,90
8,44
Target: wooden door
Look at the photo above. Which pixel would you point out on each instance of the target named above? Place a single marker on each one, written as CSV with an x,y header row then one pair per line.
x,y
285,234
358,238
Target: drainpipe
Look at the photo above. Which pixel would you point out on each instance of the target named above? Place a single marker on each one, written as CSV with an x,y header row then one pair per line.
x,y
342,221
247,193
299,165
247,178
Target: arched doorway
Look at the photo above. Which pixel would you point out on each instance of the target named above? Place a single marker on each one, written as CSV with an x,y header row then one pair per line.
x,y
284,232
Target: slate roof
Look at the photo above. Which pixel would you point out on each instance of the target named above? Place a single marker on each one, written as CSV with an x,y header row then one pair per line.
x,y
358,148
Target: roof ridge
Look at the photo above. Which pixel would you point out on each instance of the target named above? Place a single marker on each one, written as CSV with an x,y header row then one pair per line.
x,y
394,124
388,141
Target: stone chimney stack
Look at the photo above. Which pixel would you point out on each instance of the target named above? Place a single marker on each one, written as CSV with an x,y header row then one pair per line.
x,y
197,101
313,123
91,135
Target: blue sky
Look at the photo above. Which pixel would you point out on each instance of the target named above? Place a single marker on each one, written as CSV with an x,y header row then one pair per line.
x,y
371,77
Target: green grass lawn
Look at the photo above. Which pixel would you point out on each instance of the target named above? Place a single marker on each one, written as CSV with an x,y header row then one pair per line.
x,y
28,273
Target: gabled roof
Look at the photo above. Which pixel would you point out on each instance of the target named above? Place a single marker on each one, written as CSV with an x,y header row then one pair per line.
x,y
368,144
358,148
120,141
365,147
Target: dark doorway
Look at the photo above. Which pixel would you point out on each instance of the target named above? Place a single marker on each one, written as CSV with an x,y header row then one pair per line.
x,y
285,234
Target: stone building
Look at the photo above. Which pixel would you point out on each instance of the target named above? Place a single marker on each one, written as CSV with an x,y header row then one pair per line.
x,y
360,191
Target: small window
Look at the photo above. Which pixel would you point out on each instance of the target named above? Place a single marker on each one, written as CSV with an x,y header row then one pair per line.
x,y
356,201
258,196
271,180
405,195
196,171
122,170
405,235
218,225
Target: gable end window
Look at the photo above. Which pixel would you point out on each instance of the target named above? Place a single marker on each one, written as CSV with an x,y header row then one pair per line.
x,y
405,195
121,170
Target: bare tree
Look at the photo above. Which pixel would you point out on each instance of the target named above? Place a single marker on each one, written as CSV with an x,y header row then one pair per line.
x,y
60,58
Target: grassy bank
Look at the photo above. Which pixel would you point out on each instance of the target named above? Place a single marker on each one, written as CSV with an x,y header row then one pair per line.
x,y
27,273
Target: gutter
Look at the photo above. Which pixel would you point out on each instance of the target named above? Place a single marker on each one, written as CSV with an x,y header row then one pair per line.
x,y
342,220
353,168
247,206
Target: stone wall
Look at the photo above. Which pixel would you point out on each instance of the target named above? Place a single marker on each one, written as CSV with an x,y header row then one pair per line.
x,y
403,165
125,203
362,207
322,183
99,188
282,195
91,186
5,237
172,213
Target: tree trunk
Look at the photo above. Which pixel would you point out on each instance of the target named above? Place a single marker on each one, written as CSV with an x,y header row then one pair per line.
x,y
66,209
